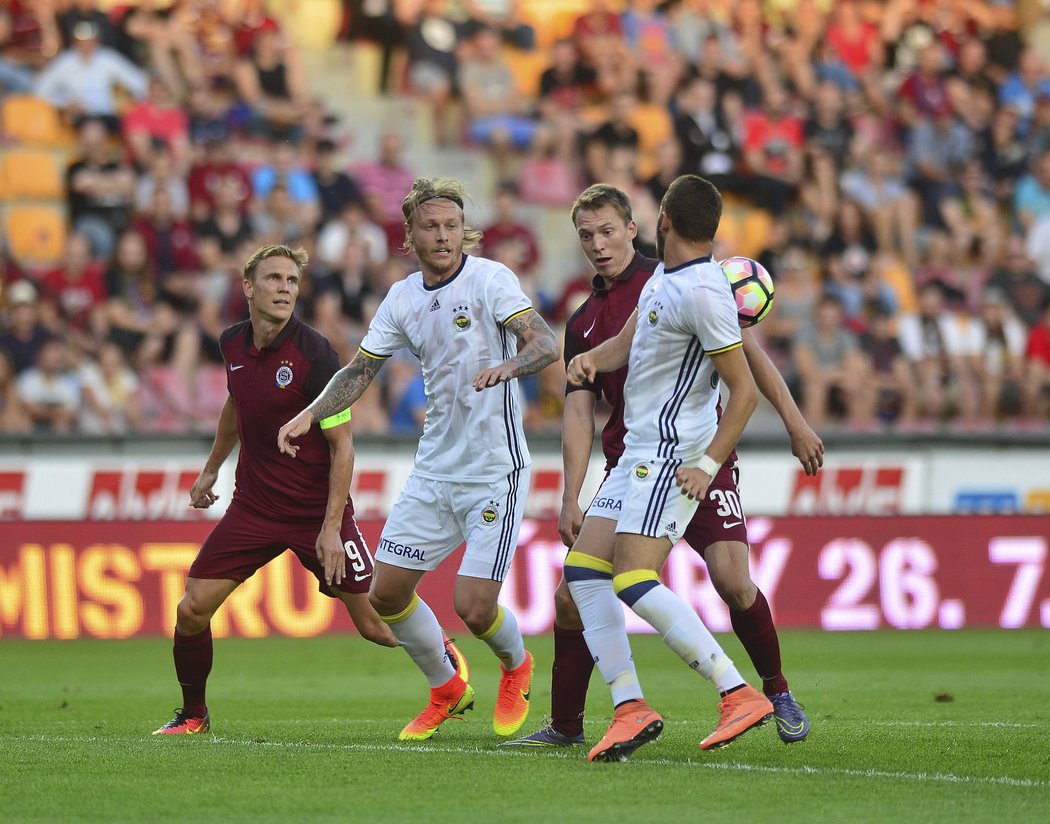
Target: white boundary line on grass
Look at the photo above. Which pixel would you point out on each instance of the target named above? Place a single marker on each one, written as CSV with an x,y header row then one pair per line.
x,y
943,778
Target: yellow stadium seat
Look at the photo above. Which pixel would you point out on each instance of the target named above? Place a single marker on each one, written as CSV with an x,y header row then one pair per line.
x,y
28,119
754,232
654,126
36,234
32,173
527,68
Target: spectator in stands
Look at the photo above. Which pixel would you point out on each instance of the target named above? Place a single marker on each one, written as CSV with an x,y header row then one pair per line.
x,y
938,148
1022,88
999,341
406,392
80,12
384,182
101,189
970,213
647,32
1037,367
832,370
503,16
228,227
773,151
890,207
888,370
614,133
1004,155
171,251
160,175
432,42
710,145
110,395
14,419
217,170
335,188
24,335
352,227
498,116
796,299
77,289
566,86
82,79
924,95
271,82
50,391
157,121
849,255
17,72
276,220
828,136
1017,279
509,228
936,343
150,38
137,320
1032,196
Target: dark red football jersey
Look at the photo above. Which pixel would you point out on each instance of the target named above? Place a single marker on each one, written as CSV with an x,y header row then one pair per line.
x,y
601,317
269,388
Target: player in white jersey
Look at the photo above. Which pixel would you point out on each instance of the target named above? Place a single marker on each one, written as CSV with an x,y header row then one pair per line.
x,y
475,332
683,340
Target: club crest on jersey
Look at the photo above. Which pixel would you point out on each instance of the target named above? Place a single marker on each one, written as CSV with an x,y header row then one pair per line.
x,y
284,374
460,318
714,380
654,316
642,471
490,514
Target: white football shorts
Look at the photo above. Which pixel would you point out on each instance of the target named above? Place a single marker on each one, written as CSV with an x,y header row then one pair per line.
x,y
652,503
430,519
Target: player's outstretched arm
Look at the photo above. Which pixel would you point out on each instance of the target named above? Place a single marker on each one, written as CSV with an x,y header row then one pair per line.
x,y
343,390
226,437
806,444
537,349
743,398
607,357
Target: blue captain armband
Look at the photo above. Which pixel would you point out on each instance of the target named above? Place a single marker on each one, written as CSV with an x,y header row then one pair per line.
x,y
337,419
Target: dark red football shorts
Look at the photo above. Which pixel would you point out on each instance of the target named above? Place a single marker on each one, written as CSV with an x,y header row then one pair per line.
x,y
242,542
720,516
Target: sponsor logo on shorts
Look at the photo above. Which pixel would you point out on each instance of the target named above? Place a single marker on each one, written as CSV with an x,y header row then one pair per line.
x,y
608,503
460,318
642,471
730,524
403,550
671,527
284,374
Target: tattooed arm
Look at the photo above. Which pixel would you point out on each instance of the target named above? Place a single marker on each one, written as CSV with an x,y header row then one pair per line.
x,y
537,349
345,387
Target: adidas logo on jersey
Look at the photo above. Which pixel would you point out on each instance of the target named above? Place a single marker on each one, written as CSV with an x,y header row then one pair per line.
x,y
435,305
672,527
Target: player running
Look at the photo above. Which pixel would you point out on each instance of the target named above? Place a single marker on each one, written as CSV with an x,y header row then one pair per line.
x,y
475,332
275,364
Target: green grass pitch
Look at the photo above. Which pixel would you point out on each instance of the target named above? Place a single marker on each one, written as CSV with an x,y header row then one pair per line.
x,y
911,727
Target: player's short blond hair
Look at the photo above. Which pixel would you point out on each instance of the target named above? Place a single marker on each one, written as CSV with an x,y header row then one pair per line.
x,y
425,189
298,256
602,194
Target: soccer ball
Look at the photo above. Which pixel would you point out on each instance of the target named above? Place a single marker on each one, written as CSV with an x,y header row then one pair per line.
x,y
752,288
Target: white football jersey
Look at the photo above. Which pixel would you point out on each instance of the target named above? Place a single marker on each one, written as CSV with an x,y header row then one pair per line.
x,y
456,329
684,315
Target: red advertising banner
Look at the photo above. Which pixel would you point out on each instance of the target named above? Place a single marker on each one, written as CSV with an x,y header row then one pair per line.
x,y
66,580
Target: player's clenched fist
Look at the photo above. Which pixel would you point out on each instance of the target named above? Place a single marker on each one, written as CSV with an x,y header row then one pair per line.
x,y
299,425
581,369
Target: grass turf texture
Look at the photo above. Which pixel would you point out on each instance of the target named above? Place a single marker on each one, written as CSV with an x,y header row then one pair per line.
x,y
906,727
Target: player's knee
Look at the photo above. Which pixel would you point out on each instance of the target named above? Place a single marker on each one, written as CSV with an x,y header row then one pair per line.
x,y
192,616
566,614
477,616
377,632
738,593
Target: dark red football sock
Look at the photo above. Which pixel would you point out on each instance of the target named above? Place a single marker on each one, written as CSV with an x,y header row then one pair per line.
x,y
570,677
193,656
754,627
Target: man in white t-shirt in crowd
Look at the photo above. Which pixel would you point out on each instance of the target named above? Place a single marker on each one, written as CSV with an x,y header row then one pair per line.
x,y
474,332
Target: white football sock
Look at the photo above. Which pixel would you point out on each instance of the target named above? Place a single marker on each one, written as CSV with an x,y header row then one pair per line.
x,y
419,632
504,639
606,636
685,633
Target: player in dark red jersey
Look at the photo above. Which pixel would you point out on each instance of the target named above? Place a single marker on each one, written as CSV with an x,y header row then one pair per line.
x,y
275,365
602,217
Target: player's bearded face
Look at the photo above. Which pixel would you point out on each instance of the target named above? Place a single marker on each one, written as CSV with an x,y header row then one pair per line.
x,y
437,236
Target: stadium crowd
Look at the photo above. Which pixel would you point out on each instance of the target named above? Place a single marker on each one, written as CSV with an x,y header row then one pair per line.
x,y
889,163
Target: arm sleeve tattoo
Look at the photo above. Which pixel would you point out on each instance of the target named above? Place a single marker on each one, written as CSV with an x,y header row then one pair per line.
x,y
537,346
346,386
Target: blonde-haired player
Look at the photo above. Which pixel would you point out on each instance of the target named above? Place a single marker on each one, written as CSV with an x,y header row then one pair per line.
x,y
474,331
